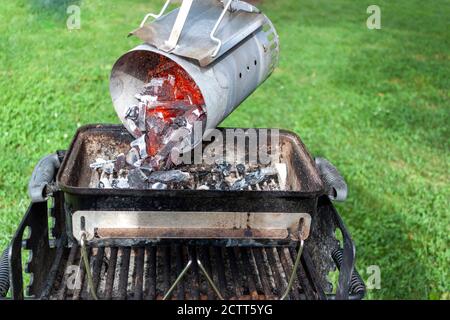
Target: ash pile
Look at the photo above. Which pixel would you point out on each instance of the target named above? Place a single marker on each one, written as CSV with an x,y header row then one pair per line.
x,y
118,174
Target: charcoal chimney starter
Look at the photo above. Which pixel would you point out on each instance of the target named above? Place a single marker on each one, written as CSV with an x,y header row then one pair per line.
x,y
225,75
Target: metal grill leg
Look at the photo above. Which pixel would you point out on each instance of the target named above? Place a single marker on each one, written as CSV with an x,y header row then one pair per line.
x,y
294,271
183,273
87,267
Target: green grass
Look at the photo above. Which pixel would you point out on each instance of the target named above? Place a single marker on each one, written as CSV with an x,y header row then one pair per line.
x,y
374,102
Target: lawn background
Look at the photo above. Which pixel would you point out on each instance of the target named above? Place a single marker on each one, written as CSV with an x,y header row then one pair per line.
x,y
374,102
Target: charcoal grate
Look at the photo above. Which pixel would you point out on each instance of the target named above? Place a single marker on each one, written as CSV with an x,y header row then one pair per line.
x,y
147,272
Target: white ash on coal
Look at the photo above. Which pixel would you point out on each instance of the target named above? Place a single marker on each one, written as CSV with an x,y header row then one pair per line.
x,y
169,176
220,176
254,178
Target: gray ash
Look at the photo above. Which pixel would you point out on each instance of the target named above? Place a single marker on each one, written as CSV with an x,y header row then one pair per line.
x,y
120,174
137,179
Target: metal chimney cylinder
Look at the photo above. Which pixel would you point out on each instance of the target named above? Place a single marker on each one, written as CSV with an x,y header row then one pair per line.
x,y
225,73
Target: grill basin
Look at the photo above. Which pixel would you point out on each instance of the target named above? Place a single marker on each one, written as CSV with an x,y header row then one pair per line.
x,y
303,183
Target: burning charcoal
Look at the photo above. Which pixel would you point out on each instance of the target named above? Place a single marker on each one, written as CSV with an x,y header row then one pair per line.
x,y
134,129
140,145
132,156
154,84
179,121
159,186
135,117
169,176
120,162
155,124
254,178
132,118
153,143
169,102
137,179
120,183
224,168
178,138
146,100
240,168
162,87
142,116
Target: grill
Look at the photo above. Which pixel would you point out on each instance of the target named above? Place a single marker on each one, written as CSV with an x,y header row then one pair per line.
x,y
121,257
228,230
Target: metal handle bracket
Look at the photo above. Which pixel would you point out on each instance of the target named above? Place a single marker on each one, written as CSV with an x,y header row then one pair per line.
x,y
155,16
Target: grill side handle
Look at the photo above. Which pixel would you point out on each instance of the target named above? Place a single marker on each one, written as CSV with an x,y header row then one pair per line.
x,y
350,284
357,286
4,273
40,185
336,187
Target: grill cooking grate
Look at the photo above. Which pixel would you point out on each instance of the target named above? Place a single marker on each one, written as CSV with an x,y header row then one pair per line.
x,y
147,272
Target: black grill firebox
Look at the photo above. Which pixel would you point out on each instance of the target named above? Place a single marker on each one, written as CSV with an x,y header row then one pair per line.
x,y
145,263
